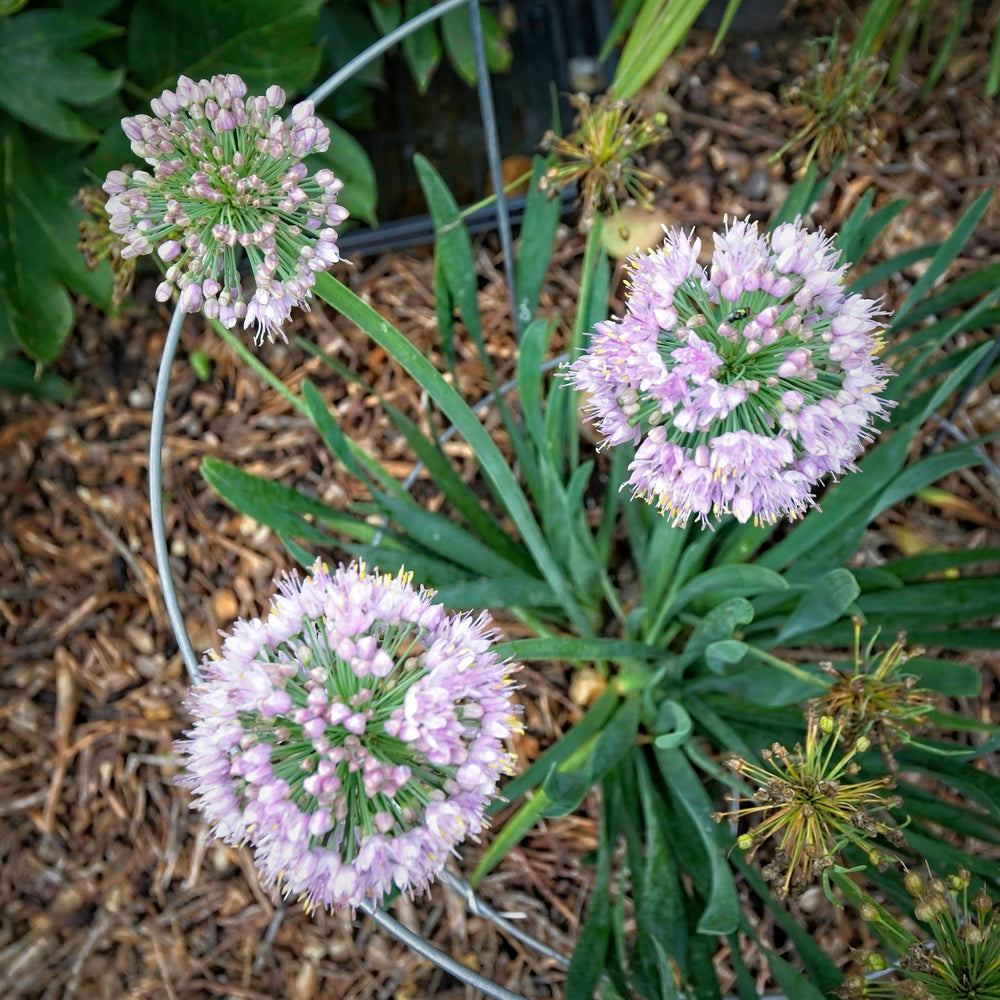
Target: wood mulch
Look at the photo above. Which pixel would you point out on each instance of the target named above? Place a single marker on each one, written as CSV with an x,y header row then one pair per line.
x,y
108,885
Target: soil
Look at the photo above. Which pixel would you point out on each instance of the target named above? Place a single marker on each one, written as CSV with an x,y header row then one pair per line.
x,y
108,884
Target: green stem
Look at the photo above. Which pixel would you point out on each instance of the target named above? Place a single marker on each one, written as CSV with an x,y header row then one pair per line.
x,y
788,668
571,396
489,199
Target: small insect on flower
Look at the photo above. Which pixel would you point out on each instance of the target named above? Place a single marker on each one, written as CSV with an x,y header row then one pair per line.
x,y
737,315
353,737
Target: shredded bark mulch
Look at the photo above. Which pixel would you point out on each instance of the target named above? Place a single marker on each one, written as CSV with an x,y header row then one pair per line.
x,y
108,884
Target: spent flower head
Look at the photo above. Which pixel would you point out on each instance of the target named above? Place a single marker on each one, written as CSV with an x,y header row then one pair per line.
x,y
810,808
877,698
600,155
834,100
228,180
962,959
98,242
353,738
743,385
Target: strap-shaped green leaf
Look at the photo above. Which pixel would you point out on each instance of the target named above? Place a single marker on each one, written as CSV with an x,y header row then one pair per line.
x,y
538,236
825,602
279,507
943,258
494,465
721,914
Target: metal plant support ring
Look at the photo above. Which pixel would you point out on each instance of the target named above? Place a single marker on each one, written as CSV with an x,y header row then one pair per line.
x,y
160,545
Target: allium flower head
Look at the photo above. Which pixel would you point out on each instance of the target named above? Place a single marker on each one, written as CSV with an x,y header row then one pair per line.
x,y
228,178
742,385
353,737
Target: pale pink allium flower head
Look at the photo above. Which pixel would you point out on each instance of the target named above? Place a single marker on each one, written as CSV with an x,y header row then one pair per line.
x,y
353,737
228,180
742,385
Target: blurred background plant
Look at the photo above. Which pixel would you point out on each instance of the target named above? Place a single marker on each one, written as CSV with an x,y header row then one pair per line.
x,y
844,81
70,71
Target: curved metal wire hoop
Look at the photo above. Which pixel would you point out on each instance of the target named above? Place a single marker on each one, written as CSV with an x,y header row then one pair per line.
x,y
160,546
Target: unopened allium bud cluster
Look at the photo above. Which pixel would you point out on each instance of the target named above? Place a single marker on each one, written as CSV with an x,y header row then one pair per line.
x,y
743,385
354,737
228,179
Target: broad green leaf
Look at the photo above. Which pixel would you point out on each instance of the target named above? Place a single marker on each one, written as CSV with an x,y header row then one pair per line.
x,y
932,849
264,41
457,34
386,14
735,580
915,567
437,533
925,472
825,602
498,592
617,739
721,915
718,625
422,49
724,653
454,248
458,492
19,375
38,234
533,348
919,803
880,272
936,602
42,70
666,544
765,684
659,905
347,158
